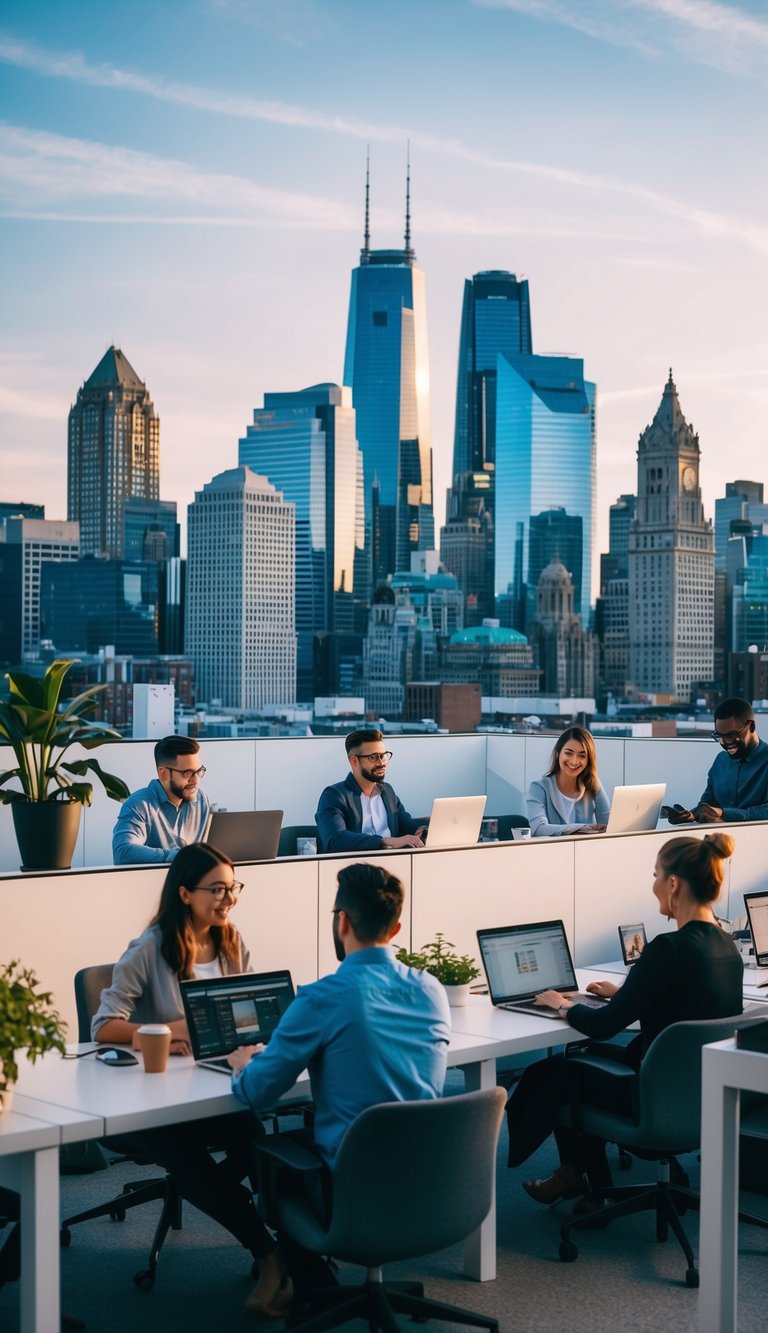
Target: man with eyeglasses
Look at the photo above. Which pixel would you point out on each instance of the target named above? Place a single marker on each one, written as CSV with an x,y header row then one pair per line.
x,y
172,812
737,782
363,813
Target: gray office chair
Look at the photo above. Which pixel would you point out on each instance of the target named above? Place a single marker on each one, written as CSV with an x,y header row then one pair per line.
x,y
89,983
289,834
665,1121
410,1178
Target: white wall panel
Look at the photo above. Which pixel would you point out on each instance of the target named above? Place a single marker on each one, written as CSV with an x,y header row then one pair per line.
x,y
505,765
277,916
682,764
613,886
397,863
292,772
424,767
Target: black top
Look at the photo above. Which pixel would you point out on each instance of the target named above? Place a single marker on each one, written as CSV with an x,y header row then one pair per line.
x,y
695,973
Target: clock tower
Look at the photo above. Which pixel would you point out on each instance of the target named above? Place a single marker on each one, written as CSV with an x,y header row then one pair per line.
x,y
671,560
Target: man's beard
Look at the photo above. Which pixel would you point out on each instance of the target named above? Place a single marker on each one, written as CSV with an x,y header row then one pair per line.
x,y
337,941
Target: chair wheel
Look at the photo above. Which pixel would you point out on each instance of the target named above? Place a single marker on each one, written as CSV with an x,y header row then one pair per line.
x,y
65,1238
144,1280
691,1277
568,1251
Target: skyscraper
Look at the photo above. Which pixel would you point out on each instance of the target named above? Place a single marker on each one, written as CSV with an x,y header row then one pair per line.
x,y
25,544
113,453
612,610
556,536
545,458
305,444
240,621
671,560
387,367
150,529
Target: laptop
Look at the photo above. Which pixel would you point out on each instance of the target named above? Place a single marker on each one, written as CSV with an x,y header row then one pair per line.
x,y
521,961
633,940
757,915
223,1013
245,835
634,809
455,821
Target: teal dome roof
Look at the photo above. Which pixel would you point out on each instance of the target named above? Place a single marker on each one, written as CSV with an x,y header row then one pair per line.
x,y
490,635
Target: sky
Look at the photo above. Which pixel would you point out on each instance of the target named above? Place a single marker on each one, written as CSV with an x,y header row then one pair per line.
x,y
185,179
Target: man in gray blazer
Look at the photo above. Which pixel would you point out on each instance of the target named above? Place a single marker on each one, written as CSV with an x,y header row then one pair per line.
x,y
363,813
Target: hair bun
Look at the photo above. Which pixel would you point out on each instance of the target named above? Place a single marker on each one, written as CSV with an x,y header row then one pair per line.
x,y
721,844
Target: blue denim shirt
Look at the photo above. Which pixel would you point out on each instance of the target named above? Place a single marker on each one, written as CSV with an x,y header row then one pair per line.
x,y
374,1031
739,788
151,828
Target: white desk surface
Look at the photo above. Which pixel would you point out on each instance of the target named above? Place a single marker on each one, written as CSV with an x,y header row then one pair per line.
x,y
22,1133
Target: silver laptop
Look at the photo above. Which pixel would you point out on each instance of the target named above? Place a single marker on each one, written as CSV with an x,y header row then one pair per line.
x,y
455,821
757,915
521,961
223,1013
634,809
245,835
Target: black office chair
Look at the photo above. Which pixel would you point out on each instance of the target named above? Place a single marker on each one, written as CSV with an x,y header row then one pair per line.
x,y
664,1122
410,1178
89,983
289,835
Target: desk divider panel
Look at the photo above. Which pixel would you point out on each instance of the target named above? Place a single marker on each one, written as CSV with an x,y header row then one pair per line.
x,y
613,887
277,915
398,863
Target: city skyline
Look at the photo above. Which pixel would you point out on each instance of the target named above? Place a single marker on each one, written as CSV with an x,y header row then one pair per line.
x,y
196,198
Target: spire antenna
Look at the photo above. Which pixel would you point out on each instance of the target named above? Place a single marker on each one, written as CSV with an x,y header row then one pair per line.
x,y
367,230
408,198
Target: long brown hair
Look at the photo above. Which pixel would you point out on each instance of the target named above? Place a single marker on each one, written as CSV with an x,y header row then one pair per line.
x,y
700,862
178,945
588,778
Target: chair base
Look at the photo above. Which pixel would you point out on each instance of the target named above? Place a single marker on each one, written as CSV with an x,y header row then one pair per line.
x,y
134,1195
378,1303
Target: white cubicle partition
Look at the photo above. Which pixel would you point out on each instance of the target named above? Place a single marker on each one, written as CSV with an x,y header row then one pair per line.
x,y
613,886
397,863
277,915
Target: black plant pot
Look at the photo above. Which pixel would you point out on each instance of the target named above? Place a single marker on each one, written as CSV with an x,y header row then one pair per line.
x,y
46,832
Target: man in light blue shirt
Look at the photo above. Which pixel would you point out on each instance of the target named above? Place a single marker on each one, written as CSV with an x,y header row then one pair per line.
x,y
374,1031
155,821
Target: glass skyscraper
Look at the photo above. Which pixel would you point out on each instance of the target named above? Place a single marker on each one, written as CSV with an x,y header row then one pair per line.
x,y
306,445
554,535
387,367
545,459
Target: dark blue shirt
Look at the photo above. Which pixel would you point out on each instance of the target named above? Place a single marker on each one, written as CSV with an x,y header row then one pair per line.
x,y
740,787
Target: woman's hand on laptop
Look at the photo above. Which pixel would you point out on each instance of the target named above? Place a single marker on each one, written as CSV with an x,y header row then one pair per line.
x,y
552,999
605,989
238,1059
591,828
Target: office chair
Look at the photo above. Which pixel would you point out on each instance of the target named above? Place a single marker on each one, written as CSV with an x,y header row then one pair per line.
x,y
289,835
410,1178
665,1121
89,983
506,823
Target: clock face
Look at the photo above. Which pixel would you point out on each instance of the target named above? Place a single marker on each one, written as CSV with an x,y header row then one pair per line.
x,y
689,478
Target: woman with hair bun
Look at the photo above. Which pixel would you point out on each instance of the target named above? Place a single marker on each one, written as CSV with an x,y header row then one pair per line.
x,y
694,972
569,797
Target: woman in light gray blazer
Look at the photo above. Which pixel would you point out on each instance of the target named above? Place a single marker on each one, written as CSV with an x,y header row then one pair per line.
x,y
569,797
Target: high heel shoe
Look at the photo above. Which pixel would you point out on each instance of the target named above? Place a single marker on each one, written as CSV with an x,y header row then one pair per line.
x,y
279,1305
567,1182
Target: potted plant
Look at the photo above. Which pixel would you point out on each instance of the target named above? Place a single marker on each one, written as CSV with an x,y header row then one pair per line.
x,y
455,971
28,1022
47,807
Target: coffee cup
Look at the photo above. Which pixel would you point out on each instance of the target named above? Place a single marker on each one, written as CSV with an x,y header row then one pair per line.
x,y
154,1043
306,846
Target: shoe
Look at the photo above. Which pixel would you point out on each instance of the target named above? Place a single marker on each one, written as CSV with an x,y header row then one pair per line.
x,y
277,1308
567,1182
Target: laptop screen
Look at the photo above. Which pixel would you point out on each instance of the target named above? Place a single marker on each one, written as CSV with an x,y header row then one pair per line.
x,y
225,1012
520,961
757,912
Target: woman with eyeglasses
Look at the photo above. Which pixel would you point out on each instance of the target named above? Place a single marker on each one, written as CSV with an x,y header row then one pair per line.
x,y
190,935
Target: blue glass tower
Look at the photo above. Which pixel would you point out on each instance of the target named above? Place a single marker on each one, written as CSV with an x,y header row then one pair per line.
x,y
545,459
387,367
305,443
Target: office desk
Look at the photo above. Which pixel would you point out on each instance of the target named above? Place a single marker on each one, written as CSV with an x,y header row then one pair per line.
x,y
726,1072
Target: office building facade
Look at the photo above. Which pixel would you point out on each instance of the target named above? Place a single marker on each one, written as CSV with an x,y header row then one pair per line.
x,y
671,560
90,604
545,459
113,453
150,530
240,619
565,649
305,443
27,545
386,365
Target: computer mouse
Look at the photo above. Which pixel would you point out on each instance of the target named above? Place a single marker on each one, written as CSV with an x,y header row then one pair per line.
x,y
112,1056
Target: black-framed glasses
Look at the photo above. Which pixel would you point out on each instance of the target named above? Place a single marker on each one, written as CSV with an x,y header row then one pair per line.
x,y
220,891
728,737
380,756
188,773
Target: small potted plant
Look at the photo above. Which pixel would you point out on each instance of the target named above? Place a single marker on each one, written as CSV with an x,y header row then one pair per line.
x,y
438,958
47,805
28,1022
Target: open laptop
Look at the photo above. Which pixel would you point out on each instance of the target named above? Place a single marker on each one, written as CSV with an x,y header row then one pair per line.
x,y
757,915
633,940
245,835
521,961
223,1013
455,821
634,809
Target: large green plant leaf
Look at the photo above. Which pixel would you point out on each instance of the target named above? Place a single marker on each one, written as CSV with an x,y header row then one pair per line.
x,y
113,785
26,689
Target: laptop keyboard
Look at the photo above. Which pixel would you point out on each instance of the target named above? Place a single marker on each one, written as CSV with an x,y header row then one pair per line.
x,y
219,1063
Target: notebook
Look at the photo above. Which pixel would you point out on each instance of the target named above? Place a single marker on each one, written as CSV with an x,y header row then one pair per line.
x,y
757,915
245,835
223,1013
455,821
634,809
521,961
633,940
